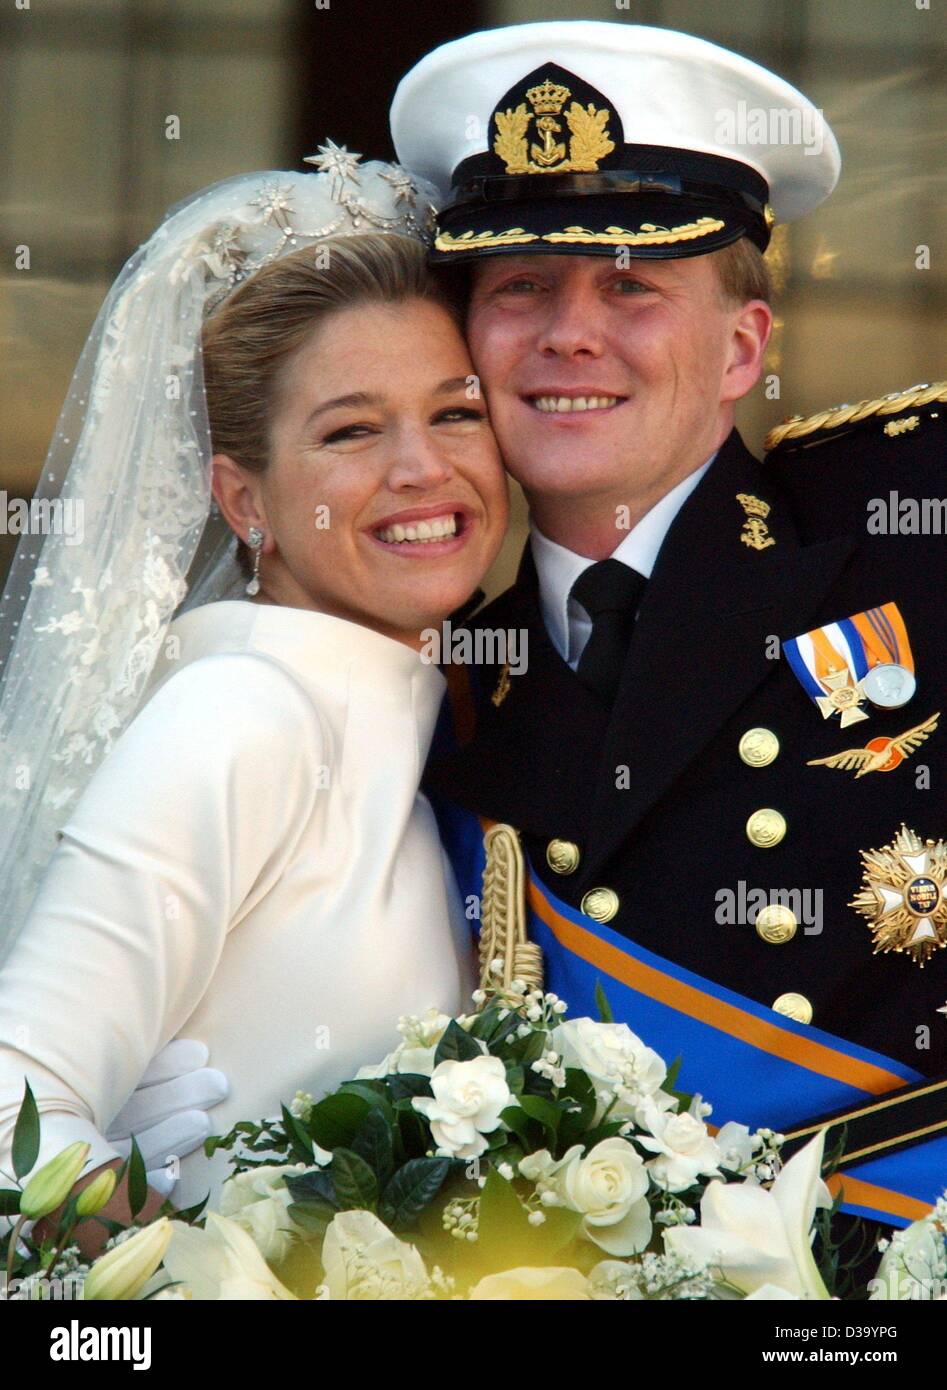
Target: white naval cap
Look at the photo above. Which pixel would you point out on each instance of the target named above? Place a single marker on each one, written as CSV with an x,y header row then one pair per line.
x,y
582,135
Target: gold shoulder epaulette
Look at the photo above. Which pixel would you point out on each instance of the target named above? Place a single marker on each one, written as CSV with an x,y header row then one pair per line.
x,y
798,426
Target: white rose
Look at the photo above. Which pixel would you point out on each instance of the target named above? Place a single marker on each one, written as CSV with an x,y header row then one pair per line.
x,y
364,1260
533,1284
684,1147
614,1058
258,1200
608,1187
466,1105
221,1262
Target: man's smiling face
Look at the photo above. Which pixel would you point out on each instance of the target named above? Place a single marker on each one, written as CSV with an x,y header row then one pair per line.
x,y
608,385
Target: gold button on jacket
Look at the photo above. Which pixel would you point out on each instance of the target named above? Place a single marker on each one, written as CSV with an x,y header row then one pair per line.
x,y
766,827
795,1006
562,856
758,747
776,923
601,904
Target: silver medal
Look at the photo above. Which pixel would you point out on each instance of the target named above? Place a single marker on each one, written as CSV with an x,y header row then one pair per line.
x,y
889,686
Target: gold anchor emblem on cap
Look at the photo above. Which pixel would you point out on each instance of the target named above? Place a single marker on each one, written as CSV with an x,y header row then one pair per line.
x,y
589,139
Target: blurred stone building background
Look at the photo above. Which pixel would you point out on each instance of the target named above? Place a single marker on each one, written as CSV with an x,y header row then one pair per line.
x,y
86,169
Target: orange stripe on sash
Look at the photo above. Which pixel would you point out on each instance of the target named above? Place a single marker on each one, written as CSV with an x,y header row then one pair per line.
x,y
858,1193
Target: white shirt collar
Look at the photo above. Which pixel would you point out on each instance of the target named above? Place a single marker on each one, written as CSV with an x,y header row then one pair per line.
x,y
558,568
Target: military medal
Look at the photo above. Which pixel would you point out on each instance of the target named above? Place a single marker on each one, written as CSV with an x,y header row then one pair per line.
x,y
904,895
889,685
889,682
865,657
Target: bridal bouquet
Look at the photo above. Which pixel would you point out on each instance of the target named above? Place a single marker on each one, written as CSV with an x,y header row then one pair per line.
x,y
510,1153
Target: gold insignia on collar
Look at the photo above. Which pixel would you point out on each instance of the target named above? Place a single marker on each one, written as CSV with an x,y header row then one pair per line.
x,y
880,754
895,427
755,532
589,139
502,687
903,895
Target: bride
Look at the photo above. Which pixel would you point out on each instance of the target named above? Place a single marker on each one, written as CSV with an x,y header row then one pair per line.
x,y
212,822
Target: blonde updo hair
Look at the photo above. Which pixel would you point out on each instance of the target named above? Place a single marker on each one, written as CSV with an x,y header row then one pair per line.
x,y
250,339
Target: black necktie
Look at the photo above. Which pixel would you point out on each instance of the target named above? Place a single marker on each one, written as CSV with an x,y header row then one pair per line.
x,y
610,593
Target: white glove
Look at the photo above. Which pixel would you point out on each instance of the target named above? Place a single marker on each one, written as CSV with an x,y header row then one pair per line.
x,y
167,1112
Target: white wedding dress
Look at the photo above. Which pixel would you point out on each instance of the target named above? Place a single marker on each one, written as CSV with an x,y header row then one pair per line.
x,y
252,865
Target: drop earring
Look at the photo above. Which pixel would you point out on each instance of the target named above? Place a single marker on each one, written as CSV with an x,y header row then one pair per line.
x,y
255,542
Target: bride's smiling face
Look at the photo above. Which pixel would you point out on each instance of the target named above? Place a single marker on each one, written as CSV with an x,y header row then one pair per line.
x,y
384,500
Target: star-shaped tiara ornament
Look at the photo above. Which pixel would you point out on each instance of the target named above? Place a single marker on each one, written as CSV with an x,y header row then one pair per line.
x,y
336,160
274,204
405,189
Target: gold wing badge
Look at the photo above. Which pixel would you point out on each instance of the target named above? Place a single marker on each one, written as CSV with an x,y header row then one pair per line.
x,y
506,953
880,754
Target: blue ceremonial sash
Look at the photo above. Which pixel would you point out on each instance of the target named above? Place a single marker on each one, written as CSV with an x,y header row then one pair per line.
x,y
753,1064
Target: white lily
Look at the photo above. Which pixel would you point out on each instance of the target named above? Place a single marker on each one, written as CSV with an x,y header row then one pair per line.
x,y
221,1262
757,1236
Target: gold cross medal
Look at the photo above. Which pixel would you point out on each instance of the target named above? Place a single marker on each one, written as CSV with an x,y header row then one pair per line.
x,y
904,895
866,657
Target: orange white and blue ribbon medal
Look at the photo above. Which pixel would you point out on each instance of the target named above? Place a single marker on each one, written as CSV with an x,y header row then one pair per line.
x,y
865,657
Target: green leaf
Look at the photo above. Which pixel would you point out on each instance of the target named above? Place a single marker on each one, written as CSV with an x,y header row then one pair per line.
x,y
300,1144
356,1187
456,1045
373,1142
601,1003
608,1130
376,1093
137,1180
508,1026
314,1217
515,1079
315,1186
189,1214
548,1114
26,1135
525,1051
522,1126
413,1187
9,1202
409,1084
335,1121
579,1092
503,1218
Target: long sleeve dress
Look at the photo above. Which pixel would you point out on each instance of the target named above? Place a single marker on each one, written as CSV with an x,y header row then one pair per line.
x,y
252,865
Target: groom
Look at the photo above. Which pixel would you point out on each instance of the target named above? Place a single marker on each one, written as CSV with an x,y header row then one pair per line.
x,y
695,791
